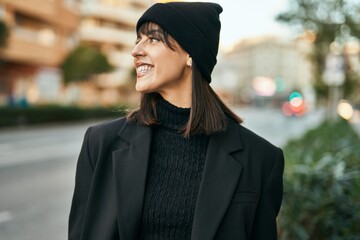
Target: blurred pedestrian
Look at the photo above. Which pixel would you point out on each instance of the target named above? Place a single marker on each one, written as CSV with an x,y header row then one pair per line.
x,y
181,166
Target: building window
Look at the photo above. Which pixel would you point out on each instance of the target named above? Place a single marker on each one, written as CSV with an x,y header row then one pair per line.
x,y
29,22
34,29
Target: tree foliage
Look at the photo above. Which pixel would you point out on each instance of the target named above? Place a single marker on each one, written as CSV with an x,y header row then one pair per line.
x,y
322,185
330,20
83,62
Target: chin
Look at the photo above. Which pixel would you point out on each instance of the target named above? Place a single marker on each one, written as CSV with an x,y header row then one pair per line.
x,y
142,89
139,88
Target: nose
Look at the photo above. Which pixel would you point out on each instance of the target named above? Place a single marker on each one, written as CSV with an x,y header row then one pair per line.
x,y
138,50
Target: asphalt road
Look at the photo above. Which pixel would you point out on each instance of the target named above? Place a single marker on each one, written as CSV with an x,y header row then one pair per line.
x,y
37,168
276,127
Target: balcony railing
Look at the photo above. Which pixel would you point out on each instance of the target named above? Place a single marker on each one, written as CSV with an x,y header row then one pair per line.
x,y
48,11
121,59
29,46
127,16
107,35
45,37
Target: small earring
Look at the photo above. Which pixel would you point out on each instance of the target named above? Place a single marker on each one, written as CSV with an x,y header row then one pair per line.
x,y
189,62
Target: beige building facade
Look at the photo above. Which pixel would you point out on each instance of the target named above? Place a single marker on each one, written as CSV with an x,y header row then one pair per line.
x,y
42,32
267,66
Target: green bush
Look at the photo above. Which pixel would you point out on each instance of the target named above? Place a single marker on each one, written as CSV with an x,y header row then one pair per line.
x,y
51,114
322,185
83,62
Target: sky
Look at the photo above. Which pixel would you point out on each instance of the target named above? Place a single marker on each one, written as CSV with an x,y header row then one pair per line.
x,y
250,18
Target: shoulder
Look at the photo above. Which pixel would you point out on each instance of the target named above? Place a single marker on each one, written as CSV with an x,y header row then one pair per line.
x,y
101,138
248,137
107,128
262,157
258,148
105,132
253,140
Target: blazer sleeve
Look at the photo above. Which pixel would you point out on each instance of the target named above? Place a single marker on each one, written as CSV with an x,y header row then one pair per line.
x,y
83,178
269,204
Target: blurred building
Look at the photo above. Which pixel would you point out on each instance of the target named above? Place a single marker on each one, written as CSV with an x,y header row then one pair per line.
x,y
41,34
265,68
109,26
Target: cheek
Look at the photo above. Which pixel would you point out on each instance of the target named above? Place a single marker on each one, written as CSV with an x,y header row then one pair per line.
x,y
171,66
169,73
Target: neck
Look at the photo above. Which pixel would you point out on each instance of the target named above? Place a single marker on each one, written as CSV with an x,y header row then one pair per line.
x,y
180,96
171,116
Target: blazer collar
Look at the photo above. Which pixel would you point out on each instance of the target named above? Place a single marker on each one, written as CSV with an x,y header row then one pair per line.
x,y
130,163
219,180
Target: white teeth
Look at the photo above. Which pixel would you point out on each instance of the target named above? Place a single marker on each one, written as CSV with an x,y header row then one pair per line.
x,y
144,68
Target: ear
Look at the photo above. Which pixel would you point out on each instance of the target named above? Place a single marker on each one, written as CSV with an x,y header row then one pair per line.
x,y
189,61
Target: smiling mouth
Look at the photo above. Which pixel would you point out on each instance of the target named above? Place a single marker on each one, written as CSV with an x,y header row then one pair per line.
x,y
143,69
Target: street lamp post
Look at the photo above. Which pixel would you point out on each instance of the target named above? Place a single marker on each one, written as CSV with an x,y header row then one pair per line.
x,y
334,77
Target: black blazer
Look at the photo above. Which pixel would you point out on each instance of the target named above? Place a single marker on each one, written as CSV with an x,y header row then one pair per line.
x,y
239,196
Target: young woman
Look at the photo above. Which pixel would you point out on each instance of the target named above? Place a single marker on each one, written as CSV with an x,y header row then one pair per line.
x,y
181,166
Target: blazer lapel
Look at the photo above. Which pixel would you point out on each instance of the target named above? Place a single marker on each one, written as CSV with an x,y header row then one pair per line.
x,y
220,178
130,162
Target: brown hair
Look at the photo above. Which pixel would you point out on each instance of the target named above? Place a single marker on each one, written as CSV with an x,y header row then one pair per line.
x,y
208,114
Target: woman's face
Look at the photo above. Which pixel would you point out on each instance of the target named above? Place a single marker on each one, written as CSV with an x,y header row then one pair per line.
x,y
159,68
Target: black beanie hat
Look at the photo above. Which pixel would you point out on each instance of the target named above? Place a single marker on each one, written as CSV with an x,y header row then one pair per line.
x,y
194,25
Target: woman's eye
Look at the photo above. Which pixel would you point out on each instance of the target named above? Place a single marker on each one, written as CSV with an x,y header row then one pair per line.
x,y
149,39
153,39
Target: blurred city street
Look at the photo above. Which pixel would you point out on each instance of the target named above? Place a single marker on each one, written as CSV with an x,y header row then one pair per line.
x,y
63,61
274,126
37,169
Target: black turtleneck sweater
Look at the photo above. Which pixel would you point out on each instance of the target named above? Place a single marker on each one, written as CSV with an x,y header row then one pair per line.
x,y
173,179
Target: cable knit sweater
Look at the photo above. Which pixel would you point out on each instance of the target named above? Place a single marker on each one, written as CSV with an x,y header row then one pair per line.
x,y
173,179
